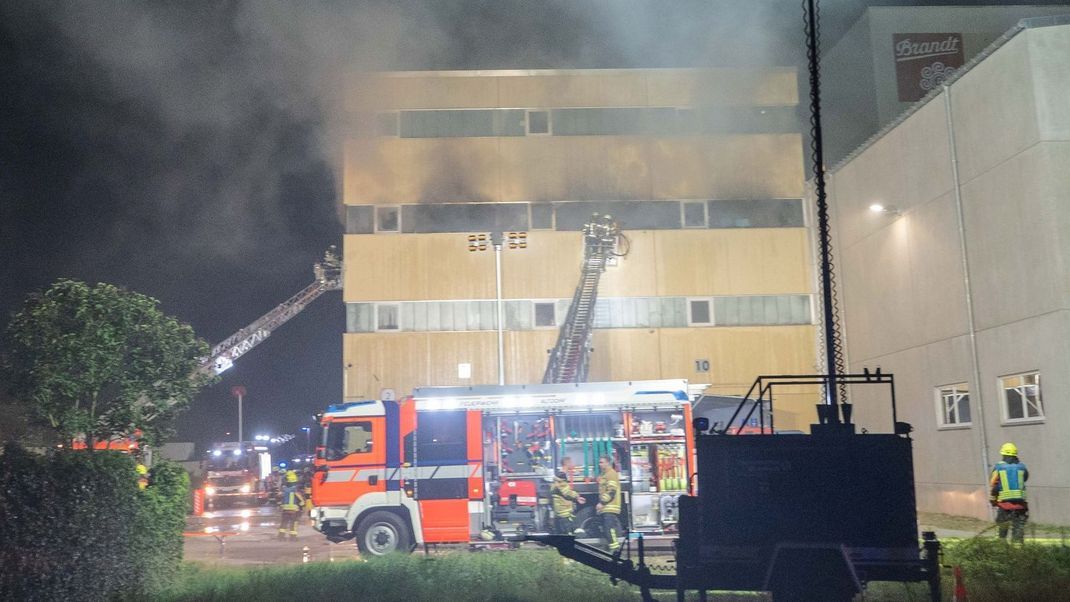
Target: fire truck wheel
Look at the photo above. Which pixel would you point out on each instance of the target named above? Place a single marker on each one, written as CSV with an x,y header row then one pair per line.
x,y
383,533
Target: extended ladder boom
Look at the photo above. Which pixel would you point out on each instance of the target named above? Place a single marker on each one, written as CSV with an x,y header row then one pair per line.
x,y
328,278
569,358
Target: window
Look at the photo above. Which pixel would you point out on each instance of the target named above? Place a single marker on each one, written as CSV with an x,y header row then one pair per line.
x,y
542,216
694,214
953,405
387,219
386,316
538,122
544,314
347,438
1021,397
386,124
699,312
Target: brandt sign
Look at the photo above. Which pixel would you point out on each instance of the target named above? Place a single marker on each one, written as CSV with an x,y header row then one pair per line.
x,y
924,60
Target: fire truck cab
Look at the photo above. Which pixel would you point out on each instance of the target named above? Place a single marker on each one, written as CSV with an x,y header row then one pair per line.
x,y
464,464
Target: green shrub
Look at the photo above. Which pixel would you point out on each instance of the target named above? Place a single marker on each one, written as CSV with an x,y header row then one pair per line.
x,y
75,525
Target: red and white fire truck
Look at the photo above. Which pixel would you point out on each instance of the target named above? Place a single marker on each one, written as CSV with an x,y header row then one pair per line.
x,y
463,464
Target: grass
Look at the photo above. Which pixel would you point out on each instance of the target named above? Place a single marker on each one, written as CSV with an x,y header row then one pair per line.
x,y
976,525
993,571
521,575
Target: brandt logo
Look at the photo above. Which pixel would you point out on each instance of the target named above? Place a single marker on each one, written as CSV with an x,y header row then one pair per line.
x,y
908,49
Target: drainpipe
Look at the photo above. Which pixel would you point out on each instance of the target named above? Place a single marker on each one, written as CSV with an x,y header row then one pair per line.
x,y
977,391
497,240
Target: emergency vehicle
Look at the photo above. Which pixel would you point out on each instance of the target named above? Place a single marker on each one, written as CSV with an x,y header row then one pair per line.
x,y
464,464
236,472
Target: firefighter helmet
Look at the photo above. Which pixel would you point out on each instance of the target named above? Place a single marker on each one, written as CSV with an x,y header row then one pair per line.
x,y
291,476
1008,449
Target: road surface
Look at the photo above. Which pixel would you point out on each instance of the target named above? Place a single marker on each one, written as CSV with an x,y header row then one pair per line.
x,y
248,535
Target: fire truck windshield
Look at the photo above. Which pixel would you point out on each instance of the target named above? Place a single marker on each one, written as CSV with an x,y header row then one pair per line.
x,y
229,462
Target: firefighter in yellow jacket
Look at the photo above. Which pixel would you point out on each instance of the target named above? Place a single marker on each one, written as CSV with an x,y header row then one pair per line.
x,y
290,504
609,502
564,498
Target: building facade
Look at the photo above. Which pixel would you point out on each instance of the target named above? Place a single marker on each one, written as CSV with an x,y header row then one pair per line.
x,y
961,286
703,169
893,55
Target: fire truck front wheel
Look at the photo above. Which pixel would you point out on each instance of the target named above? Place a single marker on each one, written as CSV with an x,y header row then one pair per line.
x,y
382,533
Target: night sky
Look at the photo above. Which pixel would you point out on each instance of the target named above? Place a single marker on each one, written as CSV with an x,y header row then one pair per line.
x,y
185,150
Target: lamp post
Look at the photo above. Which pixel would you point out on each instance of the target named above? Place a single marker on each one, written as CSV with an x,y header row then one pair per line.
x,y
239,392
308,439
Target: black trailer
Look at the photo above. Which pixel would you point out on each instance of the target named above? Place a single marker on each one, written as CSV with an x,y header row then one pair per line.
x,y
806,517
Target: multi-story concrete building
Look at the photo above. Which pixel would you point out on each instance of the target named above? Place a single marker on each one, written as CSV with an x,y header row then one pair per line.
x,y
703,169
893,55
961,286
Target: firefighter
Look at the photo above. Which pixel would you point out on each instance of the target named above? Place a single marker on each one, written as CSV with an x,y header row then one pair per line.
x,y
1008,494
609,502
564,498
290,504
142,475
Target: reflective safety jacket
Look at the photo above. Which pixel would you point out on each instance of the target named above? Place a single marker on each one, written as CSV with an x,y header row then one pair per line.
x,y
291,497
1008,482
563,496
609,492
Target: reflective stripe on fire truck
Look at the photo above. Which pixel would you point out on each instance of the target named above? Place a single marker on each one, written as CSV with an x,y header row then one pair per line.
x,y
455,471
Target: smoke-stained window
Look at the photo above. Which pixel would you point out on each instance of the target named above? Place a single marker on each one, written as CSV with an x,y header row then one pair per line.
x,y
757,213
538,122
387,219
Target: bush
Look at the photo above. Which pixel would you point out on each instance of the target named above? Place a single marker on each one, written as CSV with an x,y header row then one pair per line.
x,y
75,525
996,570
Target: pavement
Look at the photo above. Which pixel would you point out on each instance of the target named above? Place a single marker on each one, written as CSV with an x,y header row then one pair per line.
x,y
248,536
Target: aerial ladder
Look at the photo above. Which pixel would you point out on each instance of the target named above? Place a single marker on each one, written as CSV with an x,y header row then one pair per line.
x,y
328,277
602,240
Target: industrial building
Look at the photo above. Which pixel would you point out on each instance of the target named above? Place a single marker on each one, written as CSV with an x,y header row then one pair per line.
x,y
702,168
953,232
894,55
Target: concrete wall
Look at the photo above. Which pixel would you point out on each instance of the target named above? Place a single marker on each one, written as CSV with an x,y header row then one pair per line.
x,y
859,70
904,278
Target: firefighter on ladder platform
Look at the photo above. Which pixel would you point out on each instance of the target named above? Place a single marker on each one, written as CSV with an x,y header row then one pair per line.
x,y
1008,494
609,502
290,503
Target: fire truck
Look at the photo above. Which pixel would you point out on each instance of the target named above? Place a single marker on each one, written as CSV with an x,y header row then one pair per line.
x,y
468,464
236,472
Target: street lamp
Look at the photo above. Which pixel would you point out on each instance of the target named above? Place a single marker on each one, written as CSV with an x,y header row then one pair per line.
x,y
239,392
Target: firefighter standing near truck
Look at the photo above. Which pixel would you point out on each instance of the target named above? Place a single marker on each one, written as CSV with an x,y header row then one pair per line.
x,y
1008,494
564,498
609,502
290,505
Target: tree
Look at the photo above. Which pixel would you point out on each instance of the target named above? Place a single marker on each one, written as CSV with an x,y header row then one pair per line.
x,y
102,361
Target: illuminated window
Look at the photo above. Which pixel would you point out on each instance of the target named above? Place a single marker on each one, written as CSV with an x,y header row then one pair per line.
x,y
1021,397
953,405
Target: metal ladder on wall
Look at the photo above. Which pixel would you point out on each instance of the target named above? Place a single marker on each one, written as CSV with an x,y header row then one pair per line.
x,y
569,357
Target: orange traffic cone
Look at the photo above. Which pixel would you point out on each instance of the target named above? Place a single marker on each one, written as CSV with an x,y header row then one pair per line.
x,y
960,586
